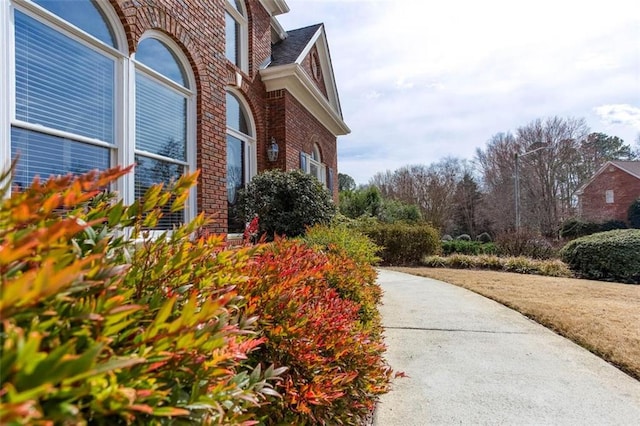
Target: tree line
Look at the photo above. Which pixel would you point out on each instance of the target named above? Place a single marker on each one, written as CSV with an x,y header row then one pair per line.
x,y
458,196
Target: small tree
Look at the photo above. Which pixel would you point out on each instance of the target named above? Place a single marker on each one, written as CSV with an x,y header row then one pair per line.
x,y
633,214
286,202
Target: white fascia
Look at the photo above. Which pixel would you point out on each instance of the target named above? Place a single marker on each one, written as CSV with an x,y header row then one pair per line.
x,y
319,40
277,31
295,80
275,7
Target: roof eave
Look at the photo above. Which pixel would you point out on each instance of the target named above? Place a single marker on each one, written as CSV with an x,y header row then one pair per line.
x,y
295,80
584,186
275,7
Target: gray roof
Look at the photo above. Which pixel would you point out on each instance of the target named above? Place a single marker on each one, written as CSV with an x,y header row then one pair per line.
x,y
287,51
631,167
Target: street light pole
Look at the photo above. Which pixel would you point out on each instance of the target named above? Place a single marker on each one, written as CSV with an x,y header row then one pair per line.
x,y
517,193
517,179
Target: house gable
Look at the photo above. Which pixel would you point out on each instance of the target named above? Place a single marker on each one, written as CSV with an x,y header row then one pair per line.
x,y
630,167
301,64
610,192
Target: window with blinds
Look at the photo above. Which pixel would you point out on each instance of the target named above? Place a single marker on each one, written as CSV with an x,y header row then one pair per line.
x,y
161,123
64,102
72,86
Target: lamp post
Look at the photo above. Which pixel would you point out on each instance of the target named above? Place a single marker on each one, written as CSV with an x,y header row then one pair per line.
x,y
538,146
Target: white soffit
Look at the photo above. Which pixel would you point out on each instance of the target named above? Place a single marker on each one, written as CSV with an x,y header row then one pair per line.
x,y
275,7
296,81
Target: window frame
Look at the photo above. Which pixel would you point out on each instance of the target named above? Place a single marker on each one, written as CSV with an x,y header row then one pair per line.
x,y
241,19
315,159
609,196
190,96
8,85
123,150
250,160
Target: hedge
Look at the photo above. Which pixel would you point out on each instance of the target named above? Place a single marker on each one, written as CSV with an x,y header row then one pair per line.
x,y
607,256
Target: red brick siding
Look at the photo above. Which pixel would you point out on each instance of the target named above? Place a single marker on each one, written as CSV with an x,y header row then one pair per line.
x,y
626,189
306,65
302,130
198,27
259,35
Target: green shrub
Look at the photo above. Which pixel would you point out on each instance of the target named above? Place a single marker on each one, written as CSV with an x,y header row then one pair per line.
x,y
484,238
576,227
609,256
524,243
102,324
633,214
392,211
360,202
286,202
522,265
403,244
467,247
354,243
610,225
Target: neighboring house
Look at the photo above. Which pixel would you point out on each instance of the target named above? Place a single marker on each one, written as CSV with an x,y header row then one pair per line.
x,y
173,86
610,192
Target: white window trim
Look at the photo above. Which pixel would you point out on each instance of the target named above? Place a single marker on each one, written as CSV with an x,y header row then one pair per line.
x,y
250,152
7,85
123,150
190,95
609,196
322,168
241,18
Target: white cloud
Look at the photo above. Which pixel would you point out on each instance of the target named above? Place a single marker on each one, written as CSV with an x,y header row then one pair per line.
x,y
422,80
620,114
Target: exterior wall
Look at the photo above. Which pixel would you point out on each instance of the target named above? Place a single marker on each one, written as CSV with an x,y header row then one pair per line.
x,y
626,189
198,27
302,132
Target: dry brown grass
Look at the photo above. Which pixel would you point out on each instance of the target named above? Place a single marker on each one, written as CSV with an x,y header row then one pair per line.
x,y
601,317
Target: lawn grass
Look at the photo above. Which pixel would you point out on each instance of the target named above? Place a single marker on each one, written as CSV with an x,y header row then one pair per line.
x,y
599,316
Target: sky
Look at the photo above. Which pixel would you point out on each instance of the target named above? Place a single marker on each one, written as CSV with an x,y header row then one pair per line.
x,y
422,80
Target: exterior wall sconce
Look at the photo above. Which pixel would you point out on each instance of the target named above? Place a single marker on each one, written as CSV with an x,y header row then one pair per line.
x,y
272,150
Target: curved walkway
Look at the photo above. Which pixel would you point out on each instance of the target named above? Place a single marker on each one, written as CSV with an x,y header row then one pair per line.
x,y
473,361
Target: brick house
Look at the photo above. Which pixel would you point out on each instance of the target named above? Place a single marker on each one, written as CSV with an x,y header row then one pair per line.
x,y
171,85
610,192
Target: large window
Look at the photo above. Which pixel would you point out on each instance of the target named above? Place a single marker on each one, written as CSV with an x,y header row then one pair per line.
x,y
312,164
237,34
64,115
72,89
162,97
241,156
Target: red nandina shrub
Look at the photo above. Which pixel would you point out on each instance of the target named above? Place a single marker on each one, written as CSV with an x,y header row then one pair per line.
x,y
336,369
103,325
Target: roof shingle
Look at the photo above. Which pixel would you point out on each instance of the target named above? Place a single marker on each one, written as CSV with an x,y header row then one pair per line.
x,y
288,50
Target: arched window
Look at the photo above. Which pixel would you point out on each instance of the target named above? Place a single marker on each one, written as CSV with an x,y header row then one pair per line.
x,y
65,82
163,99
241,155
237,34
69,86
312,164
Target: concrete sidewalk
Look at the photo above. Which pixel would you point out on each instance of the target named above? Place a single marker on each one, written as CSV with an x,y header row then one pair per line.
x,y
473,361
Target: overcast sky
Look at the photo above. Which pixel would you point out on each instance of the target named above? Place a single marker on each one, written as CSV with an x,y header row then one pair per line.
x,y
420,80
